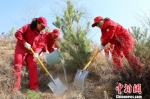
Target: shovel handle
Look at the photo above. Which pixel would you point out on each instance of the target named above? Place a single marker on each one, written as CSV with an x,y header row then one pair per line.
x,y
87,65
40,62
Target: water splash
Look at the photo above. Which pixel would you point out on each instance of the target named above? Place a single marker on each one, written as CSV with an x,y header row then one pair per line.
x,y
64,69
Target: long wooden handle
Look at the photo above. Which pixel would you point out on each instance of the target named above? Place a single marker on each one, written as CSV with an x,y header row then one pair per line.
x,y
87,65
42,65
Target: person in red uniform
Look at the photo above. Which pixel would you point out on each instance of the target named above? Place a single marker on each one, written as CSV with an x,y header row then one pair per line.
x,y
29,36
120,37
51,38
110,48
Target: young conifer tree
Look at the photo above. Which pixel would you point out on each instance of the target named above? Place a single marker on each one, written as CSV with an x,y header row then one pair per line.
x,y
75,45
143,39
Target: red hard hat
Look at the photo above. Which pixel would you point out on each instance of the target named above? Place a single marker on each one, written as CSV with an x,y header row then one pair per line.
x,y
97,19
42,20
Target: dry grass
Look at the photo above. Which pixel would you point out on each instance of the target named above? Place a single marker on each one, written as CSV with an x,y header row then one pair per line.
x,y
6,79
6,65
100,82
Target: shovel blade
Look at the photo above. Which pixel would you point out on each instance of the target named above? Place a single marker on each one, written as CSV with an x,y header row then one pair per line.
x,y
57,87
80,78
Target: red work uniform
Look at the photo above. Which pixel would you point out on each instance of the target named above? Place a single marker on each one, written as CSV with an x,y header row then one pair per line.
x,y
122,40
36,40
50,41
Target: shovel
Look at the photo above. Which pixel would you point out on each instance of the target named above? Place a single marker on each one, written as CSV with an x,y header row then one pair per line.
x,y
56,85
81,75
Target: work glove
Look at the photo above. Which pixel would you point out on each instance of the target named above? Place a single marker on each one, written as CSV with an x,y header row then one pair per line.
x,y
47,52
101,47
35,55
55,48
27,45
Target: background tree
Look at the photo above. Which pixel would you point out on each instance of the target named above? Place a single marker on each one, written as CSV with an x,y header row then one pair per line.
x,y
144,20
75,45
143,39
30,13
11,34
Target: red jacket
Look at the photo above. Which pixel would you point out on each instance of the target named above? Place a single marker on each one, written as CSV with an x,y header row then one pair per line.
x,y
50,42
114,33
33,37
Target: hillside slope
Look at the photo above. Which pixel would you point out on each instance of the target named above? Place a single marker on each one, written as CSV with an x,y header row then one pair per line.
x,y
100,83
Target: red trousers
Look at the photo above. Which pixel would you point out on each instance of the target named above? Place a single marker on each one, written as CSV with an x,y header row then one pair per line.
x,y
19,59
124,49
